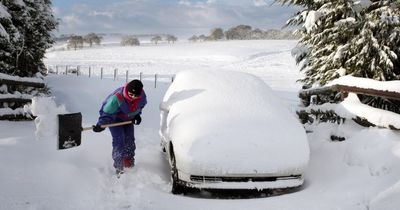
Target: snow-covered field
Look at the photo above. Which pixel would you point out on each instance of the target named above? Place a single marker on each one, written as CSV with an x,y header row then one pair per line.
x,y
362,172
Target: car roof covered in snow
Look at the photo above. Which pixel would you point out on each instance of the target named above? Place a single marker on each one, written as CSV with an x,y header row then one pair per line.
x,y
214,112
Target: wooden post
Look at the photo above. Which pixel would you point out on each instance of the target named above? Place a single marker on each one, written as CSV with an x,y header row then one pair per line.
x,y
101,73
77,70
115,74
56,69
66,69
90,72
172,78
155,80
127,75
140,76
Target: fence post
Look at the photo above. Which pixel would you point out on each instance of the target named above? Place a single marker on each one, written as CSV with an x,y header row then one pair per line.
x,y
101,73
115,74
140,76
127,75
90,72
172,78
77,70
66,69
56,69
155,80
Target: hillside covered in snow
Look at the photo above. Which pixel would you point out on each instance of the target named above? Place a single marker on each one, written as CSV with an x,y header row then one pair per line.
x,y
359,173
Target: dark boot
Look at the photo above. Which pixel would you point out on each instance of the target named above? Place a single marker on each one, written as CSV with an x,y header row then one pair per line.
x,y
119,172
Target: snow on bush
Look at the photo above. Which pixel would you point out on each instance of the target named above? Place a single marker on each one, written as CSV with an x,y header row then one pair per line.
x,y
46,110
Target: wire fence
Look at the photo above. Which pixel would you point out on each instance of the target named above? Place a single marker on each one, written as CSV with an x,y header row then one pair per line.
x,y
107,73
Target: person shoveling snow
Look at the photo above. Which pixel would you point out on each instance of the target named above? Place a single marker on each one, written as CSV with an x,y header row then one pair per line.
x,y
124,104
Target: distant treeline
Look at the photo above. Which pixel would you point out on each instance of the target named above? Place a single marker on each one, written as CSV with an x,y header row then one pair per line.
x,y
77,41
244,32
240,32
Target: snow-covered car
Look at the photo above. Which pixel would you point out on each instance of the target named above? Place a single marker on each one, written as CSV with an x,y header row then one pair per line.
x,y
227,130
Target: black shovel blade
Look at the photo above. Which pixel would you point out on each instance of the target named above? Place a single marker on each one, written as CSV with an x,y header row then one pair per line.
x,y
69,130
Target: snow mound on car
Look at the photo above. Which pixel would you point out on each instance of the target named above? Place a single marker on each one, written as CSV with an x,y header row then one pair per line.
x,y
232,120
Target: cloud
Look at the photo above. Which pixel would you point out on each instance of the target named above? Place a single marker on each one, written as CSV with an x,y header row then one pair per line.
x,y
259,3
184,2
72,21
178,17
101,13
197,3
81,8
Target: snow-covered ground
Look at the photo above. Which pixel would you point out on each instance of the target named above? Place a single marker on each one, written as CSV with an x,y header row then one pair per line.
x,y
362,172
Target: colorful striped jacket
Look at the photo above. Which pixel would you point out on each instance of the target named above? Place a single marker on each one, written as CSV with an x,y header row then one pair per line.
x,y
119,107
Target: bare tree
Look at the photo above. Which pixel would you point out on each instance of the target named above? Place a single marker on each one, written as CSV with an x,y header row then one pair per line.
x,y
156,39
217,34
75,42
257,34
92,38
202,37
171,38
130,41
193,38
239,32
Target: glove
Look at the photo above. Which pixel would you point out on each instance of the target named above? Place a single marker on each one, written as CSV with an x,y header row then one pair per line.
x,y
97,128
137,119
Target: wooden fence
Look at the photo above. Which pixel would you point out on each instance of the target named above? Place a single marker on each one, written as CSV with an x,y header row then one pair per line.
x,y
102,73
335,94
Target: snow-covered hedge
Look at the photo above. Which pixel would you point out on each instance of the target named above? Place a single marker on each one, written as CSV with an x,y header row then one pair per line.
x,y
330,103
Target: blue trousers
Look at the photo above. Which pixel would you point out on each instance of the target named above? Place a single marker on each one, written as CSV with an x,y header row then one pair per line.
x,y
123,144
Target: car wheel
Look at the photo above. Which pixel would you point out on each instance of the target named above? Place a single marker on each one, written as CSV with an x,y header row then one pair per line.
x,y
177,188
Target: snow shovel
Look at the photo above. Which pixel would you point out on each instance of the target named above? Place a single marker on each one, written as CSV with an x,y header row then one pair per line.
x,y
70,129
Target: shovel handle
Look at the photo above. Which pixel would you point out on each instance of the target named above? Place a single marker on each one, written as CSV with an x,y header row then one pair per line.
x,y
108,125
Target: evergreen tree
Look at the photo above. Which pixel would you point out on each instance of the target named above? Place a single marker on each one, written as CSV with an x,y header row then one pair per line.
x,y
346,37
38,36
34,22
375,49
7,34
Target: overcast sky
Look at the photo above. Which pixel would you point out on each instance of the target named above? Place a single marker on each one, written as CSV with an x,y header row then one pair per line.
x,y
182,18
